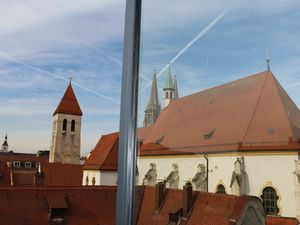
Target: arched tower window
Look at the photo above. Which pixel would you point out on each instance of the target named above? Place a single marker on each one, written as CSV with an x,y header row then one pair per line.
x,y
221,189
167,95
93,181
73,125
270,198
65,125
171,94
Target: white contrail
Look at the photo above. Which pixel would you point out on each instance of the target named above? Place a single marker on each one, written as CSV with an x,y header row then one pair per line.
x,y
57,77
185,48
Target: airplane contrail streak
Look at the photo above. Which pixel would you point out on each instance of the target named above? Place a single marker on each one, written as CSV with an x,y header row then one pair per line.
x,y
57,77
186,47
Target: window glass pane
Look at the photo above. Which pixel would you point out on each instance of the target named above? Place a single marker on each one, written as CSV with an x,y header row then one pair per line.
x,y
60,88
217,88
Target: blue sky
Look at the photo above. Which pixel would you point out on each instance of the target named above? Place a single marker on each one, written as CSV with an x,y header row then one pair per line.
x,y
44,42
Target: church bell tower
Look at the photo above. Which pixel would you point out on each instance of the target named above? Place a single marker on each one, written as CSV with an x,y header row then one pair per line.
x,y
66,132
170,89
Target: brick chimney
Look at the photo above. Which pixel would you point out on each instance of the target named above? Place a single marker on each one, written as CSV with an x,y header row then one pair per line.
x,y
187,198
160,191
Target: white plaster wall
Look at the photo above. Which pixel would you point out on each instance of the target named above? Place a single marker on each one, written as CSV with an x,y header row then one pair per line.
x,y
108,178
91,174
101,177
262,170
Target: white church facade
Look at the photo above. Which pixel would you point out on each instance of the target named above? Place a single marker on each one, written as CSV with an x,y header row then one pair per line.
x,y
239,138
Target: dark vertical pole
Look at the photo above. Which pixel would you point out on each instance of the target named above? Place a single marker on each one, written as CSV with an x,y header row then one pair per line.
x,y
207,171
128,115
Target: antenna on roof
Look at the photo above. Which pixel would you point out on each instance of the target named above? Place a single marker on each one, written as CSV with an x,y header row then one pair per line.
x,y
70,77
267,59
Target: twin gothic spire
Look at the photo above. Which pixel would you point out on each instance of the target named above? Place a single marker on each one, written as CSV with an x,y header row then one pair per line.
x,y
170,92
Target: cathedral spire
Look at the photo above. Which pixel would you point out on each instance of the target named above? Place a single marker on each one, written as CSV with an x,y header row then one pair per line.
x,y
153,108
169,91
175,88
169,82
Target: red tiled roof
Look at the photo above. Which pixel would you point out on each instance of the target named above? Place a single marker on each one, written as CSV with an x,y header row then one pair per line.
x,y
30,206
276,220
236,114
253,111
58,174
212,209
208,208
105,154
97,205
69,104
55,174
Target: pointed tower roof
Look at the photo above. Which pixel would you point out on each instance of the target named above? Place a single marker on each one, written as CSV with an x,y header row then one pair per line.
x,y
5,141
68,104
169,82
175,88
153,101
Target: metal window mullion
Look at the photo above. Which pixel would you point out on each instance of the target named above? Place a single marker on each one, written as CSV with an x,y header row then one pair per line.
x,y
128,116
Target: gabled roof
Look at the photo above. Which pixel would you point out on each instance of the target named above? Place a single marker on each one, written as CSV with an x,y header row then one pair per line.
x,y
253,112
105,154
69,104
208,208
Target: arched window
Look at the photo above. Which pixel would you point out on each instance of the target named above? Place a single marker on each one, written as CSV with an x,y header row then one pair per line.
x,y
221,189
167,95
65,125
73,125
93,181
87,180
171,94
270,198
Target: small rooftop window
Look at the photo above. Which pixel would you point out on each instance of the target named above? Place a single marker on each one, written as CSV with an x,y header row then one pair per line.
x,y
27,164
57,215
17,164
159,140
207,135
271,130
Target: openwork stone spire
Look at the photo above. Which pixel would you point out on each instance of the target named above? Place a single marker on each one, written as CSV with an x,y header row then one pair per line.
x,y
175,88
153,108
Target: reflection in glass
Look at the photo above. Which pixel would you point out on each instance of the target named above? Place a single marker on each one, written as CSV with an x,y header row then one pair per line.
x,y
220,110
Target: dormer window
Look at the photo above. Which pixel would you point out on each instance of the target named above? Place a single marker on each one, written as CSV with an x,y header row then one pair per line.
x,y
208,134
27,164
58,215
17,164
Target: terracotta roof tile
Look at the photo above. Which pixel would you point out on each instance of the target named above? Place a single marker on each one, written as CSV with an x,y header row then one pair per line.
x,y
234,114
69,104
105,154
97,205
55,174
276,220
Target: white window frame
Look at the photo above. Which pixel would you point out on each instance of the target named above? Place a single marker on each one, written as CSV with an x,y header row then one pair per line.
x,y
17,164
28,164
